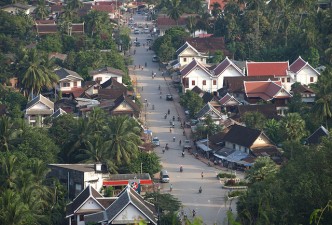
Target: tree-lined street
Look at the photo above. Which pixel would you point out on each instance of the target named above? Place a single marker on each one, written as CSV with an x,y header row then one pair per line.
x,y
210,205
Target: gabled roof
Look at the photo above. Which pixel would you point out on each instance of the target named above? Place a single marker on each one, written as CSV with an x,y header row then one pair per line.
x,y
315,137
182,48
17,5
58,113
267,68
192,65
64,73
127,196
208,97
208,44
113,83
207,108
266,90
221,67
41,99
303,89
197,90
122,99
87,193
235,84
110,93
107,69
268,110
227,98
299,64
241,135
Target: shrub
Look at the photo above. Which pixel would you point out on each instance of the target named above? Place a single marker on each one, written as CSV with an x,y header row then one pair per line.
x,y
235,193
226,175
230,182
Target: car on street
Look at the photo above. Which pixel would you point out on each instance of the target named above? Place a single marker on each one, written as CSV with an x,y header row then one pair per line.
x,y
136,31
169,97
155,141
186,145
146,30
155,58
137,44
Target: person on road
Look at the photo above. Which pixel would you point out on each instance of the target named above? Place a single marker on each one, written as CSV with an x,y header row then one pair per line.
x,y
180,142
182,154
146,64
202,175
171,188
173,139
163,150
168,112
165,116
170,129
194,213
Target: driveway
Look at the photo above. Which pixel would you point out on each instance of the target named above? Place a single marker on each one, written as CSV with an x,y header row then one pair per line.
x,y
210,204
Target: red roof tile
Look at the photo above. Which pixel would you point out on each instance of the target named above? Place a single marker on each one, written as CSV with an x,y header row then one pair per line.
x,y
265,90
208,44
222,3
297,65
223,65
267,68
227,98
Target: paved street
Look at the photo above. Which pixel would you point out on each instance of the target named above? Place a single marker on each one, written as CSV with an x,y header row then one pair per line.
x,y
210,204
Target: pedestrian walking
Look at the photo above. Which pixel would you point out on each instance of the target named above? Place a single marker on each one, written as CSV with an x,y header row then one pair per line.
x,y
202,175
180,142
194,213
170,129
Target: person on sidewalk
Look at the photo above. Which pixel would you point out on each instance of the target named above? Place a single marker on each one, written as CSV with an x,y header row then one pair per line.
x,y
202,175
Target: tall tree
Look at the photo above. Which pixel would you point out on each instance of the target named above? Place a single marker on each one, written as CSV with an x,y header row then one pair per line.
x,y
293,127
41,10
174,10
124,137
34,73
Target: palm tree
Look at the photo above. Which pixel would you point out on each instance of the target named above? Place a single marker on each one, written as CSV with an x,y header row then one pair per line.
x,y
216,9
293,126
34,72
8,172
79,135
41,10
74,4
191,24
174,10
6,133
12,210
124,138
263,168
322,108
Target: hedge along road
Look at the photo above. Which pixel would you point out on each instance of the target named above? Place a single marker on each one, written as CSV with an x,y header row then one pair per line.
x,y
210,204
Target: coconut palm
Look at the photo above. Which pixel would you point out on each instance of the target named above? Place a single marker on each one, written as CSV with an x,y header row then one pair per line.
x,y
263,168
74,4
124,137
79,135
41,10
191,24
174,10
7,133
323,107
293,126
34,72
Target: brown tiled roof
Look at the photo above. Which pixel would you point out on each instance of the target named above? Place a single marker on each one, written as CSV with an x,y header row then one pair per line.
x,y
235,84
267,68
107,69
303,89
45,21
208,44
56,8
77,28
193,64
223,65
297,65
243,136
130,102
265,90
227,98
104,8
110,93
168,22
46,28
315,138
268,110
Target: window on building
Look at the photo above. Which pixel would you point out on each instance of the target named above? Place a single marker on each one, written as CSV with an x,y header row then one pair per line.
x,y
66,84
193,83
184,59
75,83
201,59
204,82
81,217
283,80
288,80
311,79
214,82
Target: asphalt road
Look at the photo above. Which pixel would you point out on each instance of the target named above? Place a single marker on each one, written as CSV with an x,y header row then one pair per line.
x,y
210,204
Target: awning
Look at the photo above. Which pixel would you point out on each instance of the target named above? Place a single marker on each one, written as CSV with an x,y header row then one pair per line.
x,y
244,163
124,182
204,147
236,156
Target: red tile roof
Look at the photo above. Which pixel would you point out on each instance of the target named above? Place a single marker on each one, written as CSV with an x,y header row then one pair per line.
x,y
227,98
46,28
265,90
267,68
297,65
56,8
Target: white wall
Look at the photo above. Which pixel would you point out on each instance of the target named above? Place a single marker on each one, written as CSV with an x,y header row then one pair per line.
x,y
71,83
198,75
229,72
129,215
304,76
94,179
106,76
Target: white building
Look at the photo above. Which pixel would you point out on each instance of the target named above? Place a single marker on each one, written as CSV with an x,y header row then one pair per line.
x,y
18,7
196,74
302,72
187,53
38,109
104,74
68,80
